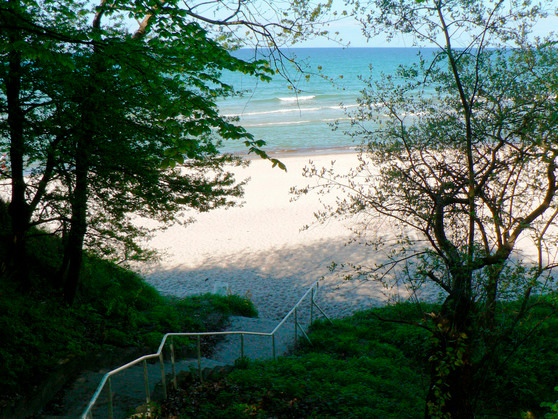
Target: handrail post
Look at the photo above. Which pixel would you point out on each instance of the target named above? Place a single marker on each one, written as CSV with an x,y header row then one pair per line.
x,y
325,315
242,345
312,305
273,344
146,379
174,380
110,410
163,377
295,326
199,358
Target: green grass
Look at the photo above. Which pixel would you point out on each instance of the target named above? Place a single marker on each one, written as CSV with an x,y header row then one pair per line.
x,y
362,367
115,309
356,367
311,385
528,369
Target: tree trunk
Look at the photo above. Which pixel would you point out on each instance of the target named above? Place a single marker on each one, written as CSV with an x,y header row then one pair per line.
x,y
493,272
73,254
18,208
451,395
452,390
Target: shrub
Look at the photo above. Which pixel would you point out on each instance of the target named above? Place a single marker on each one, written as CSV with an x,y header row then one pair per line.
x,y
115,307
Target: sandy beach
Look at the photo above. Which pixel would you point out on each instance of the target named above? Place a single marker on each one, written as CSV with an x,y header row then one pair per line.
x,y
260,249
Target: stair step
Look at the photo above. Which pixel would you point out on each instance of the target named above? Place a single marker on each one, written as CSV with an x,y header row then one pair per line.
x,y
128,386
255,347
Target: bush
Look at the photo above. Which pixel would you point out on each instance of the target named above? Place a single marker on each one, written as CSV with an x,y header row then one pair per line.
x,y
225,304
114,308
240,306
552,407
364,367
348,372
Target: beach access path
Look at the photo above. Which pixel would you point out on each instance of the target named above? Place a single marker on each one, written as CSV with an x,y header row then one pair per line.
x,y
128,386
260,250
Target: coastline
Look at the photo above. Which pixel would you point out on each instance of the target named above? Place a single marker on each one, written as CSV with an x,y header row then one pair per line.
x,y
261,250
301,152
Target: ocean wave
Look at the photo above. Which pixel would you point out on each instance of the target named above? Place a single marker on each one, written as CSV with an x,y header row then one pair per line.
x,y
296,98
275,124
291,110
355,105
275,111
328,120
298,122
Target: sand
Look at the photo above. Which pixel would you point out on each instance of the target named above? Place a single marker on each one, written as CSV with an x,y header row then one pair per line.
x,y
260,249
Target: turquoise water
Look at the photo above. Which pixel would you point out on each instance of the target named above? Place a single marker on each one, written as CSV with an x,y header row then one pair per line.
x,y
289,121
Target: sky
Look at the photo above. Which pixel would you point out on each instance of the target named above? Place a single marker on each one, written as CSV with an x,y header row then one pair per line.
x,y
350,32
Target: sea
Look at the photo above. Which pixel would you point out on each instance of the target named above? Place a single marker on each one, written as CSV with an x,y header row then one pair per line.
x,y
296,110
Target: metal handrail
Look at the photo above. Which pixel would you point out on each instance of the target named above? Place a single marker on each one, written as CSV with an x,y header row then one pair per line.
x,y
106,380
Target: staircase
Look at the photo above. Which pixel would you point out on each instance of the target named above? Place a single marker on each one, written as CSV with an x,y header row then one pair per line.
x,y
255,347
121,389
128,391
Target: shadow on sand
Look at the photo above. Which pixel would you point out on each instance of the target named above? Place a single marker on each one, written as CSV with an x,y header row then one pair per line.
x,y
275,279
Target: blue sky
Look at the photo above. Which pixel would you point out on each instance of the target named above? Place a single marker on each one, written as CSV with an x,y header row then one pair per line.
x,y
351,32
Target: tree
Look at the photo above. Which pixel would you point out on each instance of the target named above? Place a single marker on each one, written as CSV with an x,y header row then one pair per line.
x,y
100,116
459,155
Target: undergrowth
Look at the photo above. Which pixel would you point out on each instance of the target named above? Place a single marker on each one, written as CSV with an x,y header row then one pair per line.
x,y
364,367
115,309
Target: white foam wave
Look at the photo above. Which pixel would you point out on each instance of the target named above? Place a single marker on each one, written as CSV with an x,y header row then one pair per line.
x,y
342,107
296,98
283,111
275,111
274,124
336,119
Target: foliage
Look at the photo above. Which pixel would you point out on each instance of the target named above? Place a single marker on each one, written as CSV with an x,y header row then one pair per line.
x,y
458,157
102,118
226,304
365,366
116,310
364,332
553,408
353,369
528,366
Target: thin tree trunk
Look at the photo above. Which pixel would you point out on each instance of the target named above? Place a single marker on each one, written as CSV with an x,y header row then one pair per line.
x,y
73,255
494,272
452,388
18,208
